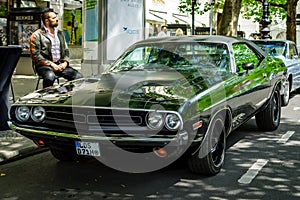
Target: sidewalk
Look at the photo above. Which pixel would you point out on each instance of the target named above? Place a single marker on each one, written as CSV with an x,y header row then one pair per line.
x,y
12,144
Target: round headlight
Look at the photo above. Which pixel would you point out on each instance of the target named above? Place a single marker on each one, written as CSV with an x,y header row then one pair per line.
x,y
155,120
173,122
38,114
22,113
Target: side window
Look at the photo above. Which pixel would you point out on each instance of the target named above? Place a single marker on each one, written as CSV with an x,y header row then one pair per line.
x,y
292,51
243,54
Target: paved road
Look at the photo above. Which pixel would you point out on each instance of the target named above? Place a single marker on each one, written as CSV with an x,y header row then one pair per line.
x,y
258,165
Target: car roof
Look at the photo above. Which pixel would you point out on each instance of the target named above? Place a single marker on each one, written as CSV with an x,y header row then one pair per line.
x,y
271,41
199,38
196,38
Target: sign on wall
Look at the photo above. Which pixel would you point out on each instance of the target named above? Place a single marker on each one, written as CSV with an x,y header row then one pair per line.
x,y
125,25
90,50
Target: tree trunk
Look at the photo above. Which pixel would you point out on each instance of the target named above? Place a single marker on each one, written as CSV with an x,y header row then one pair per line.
x,y
227,24
224,22
235,16
291,20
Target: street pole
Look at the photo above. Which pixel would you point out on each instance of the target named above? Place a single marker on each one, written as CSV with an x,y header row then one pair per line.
x,y
193,16
265,22
212,3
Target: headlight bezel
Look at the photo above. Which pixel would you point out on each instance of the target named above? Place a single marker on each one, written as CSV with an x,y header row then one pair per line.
x,y
167,122
18,113
150,116
38,109
33,113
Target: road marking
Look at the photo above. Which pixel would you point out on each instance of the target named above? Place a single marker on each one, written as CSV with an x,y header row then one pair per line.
x,y
284,138
296,108
253,171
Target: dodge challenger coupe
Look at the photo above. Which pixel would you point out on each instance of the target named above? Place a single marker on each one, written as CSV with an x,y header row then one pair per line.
x,y
161,100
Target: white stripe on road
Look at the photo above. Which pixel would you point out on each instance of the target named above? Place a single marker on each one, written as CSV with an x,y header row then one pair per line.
x,y
253,171
296,108
285,137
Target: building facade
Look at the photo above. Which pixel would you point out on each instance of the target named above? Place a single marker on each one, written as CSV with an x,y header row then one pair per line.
x,y
103,34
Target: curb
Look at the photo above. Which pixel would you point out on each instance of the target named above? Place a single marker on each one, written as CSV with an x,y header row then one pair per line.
x,y
24,154
14,146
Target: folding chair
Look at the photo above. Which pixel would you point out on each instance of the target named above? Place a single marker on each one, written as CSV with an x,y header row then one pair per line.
x,y
40,77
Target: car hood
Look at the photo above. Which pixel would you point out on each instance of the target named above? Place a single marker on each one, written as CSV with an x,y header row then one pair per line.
x,y
134,89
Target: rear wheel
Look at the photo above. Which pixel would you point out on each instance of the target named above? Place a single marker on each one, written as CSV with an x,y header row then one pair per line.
x,y
269,118
209,159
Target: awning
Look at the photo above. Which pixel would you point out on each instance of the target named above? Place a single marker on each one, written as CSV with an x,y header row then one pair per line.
x,y
161,16
172,18
154,15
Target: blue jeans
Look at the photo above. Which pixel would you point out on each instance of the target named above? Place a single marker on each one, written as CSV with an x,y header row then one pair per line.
x,y
49,75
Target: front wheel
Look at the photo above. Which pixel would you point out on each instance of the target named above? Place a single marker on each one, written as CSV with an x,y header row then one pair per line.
x,y
269,118
209,159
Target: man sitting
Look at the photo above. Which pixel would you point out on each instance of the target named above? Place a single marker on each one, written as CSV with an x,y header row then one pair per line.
x,y
49,51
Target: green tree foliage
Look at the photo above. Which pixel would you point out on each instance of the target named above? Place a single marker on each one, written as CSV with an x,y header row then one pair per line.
x,y
282,9
186,6
3,11
252,9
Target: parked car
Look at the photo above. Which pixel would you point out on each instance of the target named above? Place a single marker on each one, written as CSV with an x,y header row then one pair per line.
x,y
163,99
288,52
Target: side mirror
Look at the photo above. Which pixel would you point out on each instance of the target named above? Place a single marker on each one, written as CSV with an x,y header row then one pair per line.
x,y
248,66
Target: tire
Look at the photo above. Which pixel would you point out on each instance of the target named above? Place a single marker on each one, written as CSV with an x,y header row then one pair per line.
x,y
269,118
64,155
285,98
209,160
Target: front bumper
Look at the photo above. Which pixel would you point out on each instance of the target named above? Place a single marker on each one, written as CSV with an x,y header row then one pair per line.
x,y
59,139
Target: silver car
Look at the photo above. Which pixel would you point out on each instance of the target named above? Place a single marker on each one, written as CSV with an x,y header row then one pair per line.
x,y
288,52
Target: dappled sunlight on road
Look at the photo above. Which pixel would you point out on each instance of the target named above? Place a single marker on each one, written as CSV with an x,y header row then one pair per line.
x,y
258,165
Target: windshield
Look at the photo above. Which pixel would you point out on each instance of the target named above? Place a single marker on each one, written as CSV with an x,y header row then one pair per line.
x,y
178,56
272,48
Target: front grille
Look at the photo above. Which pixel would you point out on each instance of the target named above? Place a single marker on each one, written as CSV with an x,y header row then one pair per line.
x,y
65,117
95,120
121,120
91,121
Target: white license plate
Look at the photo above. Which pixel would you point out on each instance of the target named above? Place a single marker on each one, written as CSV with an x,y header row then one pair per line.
x,y
87,148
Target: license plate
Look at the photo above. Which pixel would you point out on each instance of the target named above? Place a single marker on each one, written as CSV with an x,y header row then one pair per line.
x,y
87,148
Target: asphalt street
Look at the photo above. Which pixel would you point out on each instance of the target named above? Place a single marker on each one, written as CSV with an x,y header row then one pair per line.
x,y
258,165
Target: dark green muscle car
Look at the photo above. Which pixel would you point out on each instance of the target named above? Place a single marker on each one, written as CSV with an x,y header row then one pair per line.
x,y
163,99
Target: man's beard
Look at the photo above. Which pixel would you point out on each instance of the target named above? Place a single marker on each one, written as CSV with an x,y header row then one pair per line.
x,y
54,25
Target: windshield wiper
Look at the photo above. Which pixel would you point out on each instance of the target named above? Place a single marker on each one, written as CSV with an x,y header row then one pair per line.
x,y
129,67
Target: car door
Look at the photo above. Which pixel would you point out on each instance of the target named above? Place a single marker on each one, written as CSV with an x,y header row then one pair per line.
x,y
249,88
